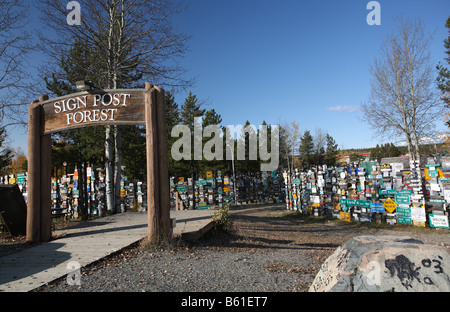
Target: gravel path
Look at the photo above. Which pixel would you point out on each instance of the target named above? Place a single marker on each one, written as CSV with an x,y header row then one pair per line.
x,y
266,251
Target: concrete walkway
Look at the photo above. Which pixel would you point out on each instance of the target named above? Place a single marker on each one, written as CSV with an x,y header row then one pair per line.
x,y
86,243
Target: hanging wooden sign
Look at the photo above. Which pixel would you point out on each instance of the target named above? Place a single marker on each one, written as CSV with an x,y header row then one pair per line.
x,y
96,107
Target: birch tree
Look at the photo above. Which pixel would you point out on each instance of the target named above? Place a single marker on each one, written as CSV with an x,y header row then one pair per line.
x,y
402,100
14,48
125,35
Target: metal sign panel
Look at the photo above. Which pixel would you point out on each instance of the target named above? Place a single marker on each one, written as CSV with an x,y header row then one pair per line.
x,y
389,205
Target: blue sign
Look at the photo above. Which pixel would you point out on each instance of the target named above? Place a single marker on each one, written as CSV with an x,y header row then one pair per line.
x,y
377,207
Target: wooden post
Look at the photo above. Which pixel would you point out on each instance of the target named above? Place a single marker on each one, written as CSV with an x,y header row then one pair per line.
x,y
158,196
34,166
39,175
46,182
163,165
152,165
46,185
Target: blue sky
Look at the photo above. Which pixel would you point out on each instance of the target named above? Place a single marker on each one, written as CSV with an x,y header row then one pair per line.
x,y
281,61
288,60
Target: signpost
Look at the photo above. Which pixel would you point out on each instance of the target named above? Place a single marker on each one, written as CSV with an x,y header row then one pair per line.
x,y
98,108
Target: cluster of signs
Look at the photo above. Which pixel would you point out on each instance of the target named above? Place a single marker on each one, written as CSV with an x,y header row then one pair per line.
x,y
66,197
201,194
216,190
369,191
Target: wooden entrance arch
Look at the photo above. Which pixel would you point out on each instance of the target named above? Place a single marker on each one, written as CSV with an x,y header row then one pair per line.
x,y
95,108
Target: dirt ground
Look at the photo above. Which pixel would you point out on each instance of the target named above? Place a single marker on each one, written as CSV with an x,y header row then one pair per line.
x,y
270,239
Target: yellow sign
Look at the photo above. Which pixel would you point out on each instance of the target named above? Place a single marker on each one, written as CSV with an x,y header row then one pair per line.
x,y
181,180
226,189
389,205
123,193
439,174
315,204
345,216
209,174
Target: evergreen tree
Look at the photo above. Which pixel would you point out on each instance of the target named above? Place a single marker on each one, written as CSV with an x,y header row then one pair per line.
x,y
173,119
443,79
212,118
134,153
189,111
172,113
247,165
375,154
306,150
332,151
6,153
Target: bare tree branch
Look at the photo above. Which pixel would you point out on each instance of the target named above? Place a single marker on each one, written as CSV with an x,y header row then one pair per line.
x,y
402,101
125,33
14,48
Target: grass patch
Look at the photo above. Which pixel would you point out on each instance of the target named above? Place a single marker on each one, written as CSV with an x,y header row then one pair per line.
x,y
310,219
298,216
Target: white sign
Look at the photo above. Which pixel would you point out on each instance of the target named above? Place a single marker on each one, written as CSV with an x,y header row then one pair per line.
x,y
315,199
447,195
438,221
418,214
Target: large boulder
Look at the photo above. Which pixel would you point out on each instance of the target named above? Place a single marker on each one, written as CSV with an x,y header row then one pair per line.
x,y
385,263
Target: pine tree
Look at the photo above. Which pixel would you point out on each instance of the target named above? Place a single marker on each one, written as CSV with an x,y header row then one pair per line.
x,y
332,151
172,113
247,165
6,153
212,118
306,150
376,153
443,79
190,110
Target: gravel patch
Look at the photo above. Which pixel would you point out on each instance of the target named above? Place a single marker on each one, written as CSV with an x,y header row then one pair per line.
x,y
265,251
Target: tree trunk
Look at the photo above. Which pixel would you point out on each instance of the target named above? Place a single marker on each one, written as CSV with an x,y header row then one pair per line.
x,y
117,166
109,174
